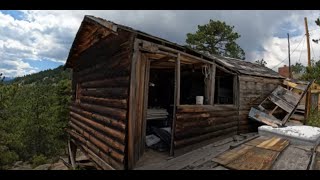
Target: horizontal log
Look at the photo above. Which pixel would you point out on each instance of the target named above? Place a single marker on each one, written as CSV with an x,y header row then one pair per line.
x,y
198,131
116,103
88,145
104,61
204,108
114,92
204,116
109,141
107,130
213,121
104,47
184,142
245,119
114,82
105,120
260,79
244,113
101,163
247,128
244,122
106,73
99,144
115,113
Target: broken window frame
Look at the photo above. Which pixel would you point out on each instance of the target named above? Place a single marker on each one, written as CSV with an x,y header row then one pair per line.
x,y
234,86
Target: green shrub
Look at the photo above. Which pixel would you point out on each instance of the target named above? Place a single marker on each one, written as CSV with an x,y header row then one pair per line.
x,y
38,160
7,157
314,119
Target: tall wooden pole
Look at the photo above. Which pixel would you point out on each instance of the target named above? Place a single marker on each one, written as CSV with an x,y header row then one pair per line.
x,y
308,96
290,73
175,103
308,41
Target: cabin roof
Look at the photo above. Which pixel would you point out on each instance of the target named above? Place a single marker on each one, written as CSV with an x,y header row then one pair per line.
x,y
236,65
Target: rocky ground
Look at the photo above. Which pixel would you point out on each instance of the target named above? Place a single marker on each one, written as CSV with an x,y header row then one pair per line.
x,y
82,161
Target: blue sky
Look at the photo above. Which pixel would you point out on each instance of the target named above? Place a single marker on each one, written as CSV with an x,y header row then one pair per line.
x,y
31,41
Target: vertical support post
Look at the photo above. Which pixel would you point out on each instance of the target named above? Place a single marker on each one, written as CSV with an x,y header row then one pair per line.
x,y
290,73
176,102
72,148
213,81
132,107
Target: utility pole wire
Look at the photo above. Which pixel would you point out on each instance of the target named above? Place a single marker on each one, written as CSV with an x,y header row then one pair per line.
x,y
290,53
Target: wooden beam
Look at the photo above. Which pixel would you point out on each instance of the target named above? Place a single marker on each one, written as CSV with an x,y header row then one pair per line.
x,y
185,54
72,153
162,47
164,59
213,85
176,103
132,107
225,70
145,100
178,79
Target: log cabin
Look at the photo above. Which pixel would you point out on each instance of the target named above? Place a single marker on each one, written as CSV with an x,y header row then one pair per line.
x,y
129,85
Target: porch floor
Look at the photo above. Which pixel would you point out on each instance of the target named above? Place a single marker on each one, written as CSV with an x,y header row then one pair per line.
x,y
200,158
293,157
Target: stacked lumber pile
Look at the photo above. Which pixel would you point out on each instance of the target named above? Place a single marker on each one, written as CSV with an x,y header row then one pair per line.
x,y
157,114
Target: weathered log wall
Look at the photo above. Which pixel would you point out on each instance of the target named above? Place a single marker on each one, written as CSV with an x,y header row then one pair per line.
x,y
253,90
195,123
98,113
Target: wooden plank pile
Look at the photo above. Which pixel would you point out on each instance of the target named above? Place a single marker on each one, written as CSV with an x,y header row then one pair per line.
x,y
153,114
257,154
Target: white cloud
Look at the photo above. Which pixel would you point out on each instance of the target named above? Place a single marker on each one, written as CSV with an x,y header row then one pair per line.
x,y
276,49
47,35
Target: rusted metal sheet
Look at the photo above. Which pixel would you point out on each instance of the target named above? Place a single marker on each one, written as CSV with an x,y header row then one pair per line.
x,y
286,99
275,144
232,155
255,159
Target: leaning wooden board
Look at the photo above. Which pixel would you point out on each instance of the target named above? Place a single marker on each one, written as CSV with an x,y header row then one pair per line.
x,y
255,159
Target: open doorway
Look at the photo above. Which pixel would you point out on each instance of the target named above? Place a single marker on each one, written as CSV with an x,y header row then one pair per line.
x,y
159,109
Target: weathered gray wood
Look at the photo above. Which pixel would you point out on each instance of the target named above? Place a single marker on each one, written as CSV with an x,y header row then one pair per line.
x,y
114,144
292,159
72,149
175,104
205,108
116,92
263,117
116,103
108,130
104,120
191,140
114,82
213,80
193,132
132,107
145,101
196,156
281,103
89,144
115,113
192,117
212,121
